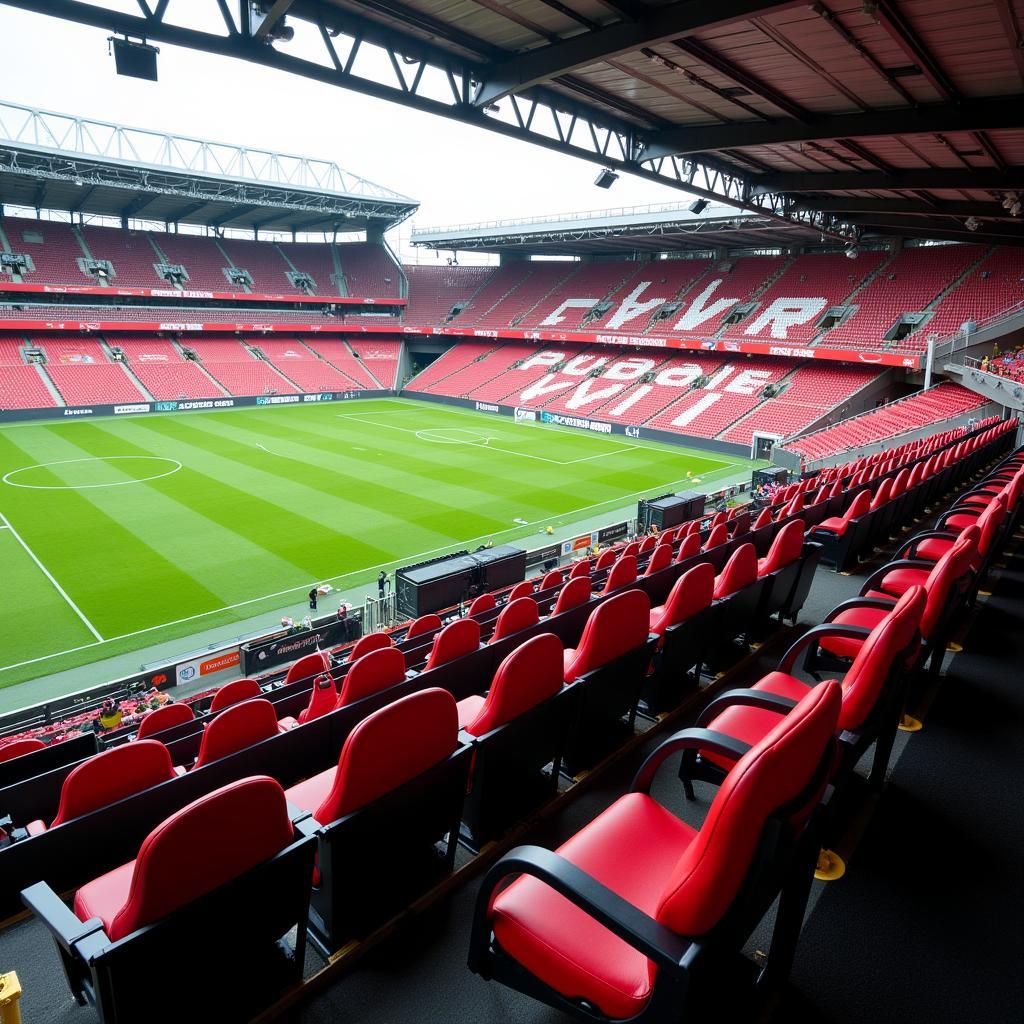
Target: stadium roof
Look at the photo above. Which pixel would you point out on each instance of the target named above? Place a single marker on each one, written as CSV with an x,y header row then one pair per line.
x,y
60,162
902,116
644,229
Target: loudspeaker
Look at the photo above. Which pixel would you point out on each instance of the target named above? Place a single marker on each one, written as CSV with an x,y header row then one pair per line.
x,y
135,60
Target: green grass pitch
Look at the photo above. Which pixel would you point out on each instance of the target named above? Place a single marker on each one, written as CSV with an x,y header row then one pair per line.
x,y
120,533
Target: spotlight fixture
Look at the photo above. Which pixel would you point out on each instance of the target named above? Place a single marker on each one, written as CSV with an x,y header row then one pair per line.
x,y
132,59
972,223
698,206
852,252
606,178
492,108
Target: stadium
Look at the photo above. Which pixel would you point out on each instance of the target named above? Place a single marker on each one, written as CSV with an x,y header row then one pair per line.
x,y
595,614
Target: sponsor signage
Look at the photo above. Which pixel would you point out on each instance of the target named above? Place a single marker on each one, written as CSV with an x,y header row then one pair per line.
x,y
486,407
326,397
187,671
174,293
525,415
632,432
124,410
278,399
610,534
284,647
78,412
570,547
580,422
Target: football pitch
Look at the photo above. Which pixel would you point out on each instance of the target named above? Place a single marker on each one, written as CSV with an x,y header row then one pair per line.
x,y
116,534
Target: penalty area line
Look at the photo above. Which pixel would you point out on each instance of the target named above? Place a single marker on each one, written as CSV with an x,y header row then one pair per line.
x,y
46,572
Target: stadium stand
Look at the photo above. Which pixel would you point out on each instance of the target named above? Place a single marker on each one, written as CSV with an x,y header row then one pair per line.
x,y
380,359
53,247
340,355
435,291
369,270
301,364
919,410
996,284
264,262
319,261
163,370
22,387
130,253
88,384
199,255
591,283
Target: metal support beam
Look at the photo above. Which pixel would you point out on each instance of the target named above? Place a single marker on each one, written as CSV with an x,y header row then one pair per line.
x,y
680,19
973,116
941,228
910,208
1011,26
865,181
274,15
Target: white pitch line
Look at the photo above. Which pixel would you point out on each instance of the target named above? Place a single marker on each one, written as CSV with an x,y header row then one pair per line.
x,y
269,452
46,572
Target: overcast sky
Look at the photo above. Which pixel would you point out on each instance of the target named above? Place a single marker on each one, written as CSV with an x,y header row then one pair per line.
x,y
457,173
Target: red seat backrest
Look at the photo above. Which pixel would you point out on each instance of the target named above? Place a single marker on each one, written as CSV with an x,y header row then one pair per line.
x,y
719,535
946,571
18,747
572,595
772,774
165,717
606,559
647,543
688,547
899,483
389,748
786,547
552,579
837,489
692,592
859,506
234,693
623,573
369,643
111,776
883,494
483,603
307,667
764,517
372,673
866,677
515,616
580,569
739,571
989,521
740,523
615,627
660,558
456,639
424,624
529,675
667,537
236,728
322,700
632,548
524,589
203,846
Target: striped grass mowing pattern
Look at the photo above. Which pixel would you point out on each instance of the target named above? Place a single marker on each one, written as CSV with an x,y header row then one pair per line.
x,y
152,528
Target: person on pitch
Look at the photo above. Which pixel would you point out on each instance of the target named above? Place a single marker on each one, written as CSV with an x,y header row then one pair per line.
x,y
312,599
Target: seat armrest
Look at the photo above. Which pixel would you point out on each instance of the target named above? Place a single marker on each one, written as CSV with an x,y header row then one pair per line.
x,y
62,924
909,549
881,603
812,635
619,916
688,739
745,698
36,828
874,581
945,517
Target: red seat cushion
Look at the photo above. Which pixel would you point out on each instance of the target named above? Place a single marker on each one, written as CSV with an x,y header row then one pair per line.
x,y
899,581
933,549
867,618
311,793
103,897
835,524
632,848
961,521
468,710
750,724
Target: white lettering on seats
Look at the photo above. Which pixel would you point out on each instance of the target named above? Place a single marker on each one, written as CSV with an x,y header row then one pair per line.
x,y
748,382
582,396
547,385
785,313
698,313
548,357
556,317
631,399
580,366
631,368
630,308
679,376
689,415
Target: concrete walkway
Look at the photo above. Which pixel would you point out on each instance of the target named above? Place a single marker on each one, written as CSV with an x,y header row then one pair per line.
x,y
84,677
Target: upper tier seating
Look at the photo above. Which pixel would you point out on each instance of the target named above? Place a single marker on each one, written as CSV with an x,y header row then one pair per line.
x,y
659,279
433,291
265,264
513,292
317,260
201,258
53,247
369,270
129,252
592,282
907,285
995,285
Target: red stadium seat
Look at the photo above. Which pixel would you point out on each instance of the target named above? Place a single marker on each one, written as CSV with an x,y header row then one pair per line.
x,y
455,640
688,547
481,605
234,693
606,559
369,642
423,625
581,568
307,667
552,579
524,589
572,595
739,572
371,674
574,948
108,777
661,558
622,574
515,616
236,728
692,592
166,717
19,747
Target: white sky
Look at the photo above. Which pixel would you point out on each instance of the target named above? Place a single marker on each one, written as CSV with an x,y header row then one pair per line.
x,y
458,174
